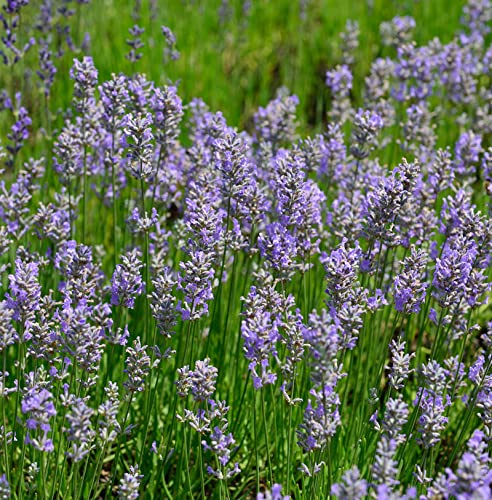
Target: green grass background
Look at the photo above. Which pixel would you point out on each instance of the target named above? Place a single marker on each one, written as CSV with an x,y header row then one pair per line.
x,y
237,66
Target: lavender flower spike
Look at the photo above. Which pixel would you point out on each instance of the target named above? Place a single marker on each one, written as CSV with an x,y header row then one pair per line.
x,y
130,484
352,487
127,283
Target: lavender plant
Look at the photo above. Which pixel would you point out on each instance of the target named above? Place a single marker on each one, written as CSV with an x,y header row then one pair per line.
x,y
193,310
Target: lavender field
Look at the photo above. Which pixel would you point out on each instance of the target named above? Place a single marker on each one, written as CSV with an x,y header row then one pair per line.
x,y
245,266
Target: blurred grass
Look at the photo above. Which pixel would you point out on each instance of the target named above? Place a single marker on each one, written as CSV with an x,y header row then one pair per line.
x,y
236,65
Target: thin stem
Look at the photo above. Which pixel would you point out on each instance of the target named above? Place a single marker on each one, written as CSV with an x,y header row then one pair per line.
x,y
267,441
187,458
200,464
97,469
113,187
114,467
85,186
152,391
255,428
4,420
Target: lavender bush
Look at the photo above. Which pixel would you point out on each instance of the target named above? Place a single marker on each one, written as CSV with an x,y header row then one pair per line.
x,y
190,310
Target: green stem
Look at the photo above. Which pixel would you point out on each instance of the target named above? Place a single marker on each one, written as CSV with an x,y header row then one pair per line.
x,y
257,453
200,464
267,441
85,187
97,469
114,468
187,458
152,391
115,208
4,420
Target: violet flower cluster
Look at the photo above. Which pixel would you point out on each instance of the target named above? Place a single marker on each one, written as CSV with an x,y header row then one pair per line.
x,y
156,261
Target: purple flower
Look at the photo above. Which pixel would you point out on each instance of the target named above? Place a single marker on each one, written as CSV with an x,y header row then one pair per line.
x,y
395,417
279,247
38,407
126,283
323,336
168,35
414,71
4,488
83,276
167,108
195,281
477,15
419,135
11,54
139,91
19,132
14,203
352,486
298,202
473,475
47,70
339,80
84,74
400,364
200,382
138,137
457,72
24,292
80,432
221,445
276,123
163,303
203,218
321,418
139,223
80,339
53,220
231,161
365,128
69,150
135,43
384,204
476,372
410,286
8,335
205,127
266,311
114,96
130,484
333,153
378,87
170,51
397,31
137,366
259,330
346,301
385,466
453,270
487,171
458,215
432,420
342,268
350,41
467,153
274,494
108,424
